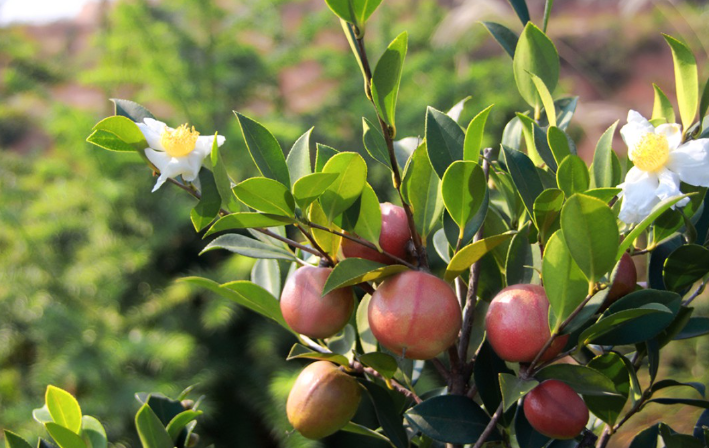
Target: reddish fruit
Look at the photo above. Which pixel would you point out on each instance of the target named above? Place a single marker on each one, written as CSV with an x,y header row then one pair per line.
x,y
625,280
393,238
517,324
416,314
310,313
555,410
322,400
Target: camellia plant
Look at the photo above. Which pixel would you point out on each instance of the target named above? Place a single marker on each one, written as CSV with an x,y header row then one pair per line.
x,y
535,322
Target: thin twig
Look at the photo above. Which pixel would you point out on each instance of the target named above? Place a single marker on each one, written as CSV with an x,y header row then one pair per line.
x,y
696,293
359,368
445,374
490,427
315,244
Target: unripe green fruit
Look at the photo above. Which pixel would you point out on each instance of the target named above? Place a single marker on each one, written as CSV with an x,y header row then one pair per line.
x,y
393,238
517,324
322,400
555,410
310,313
416,314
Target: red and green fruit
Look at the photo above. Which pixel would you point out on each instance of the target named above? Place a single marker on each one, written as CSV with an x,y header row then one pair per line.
x,y
626,278
322,400
517,324
310,313
555,410
394,237
415,314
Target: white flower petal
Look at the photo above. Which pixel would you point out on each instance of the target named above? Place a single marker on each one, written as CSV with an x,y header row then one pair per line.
x,y
636,128
691,162
204,143
152,131
158,158
673,134
161,180
638,195
669,184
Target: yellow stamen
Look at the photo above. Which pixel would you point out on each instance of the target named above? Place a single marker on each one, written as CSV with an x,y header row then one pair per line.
x,y
179,142
651,153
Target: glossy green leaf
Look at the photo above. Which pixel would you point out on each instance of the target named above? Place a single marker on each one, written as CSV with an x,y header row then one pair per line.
x,y
558,144
355,12
323,153
118,133
130,109
369,219
526,435
486,373
572,176
696,326
64,437
309,187
63,408
663,384
522,258
608,324
468,255
603,159
525,177
42,415
267,274
513,388
452,232
536,141
151,431
222,179
347,187
109,141
388,415
582,379
299,351
265,150
520,7
704,102
444,139
450,419
564,282
328,241
375,144
686,265
683,401
12,440
266,195
565,110
355,428
608,408
248,247
547,213
422,189
209,204
646,438
93,433
591,234
178,423
366,338
535,54
474,135
381,362
604,194
504,36
352,271
545,96
687,84
463,190
247,220
662,108
386,79
246,294
298,160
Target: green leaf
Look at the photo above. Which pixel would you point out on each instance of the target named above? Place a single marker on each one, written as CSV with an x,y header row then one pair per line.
x,y
520,7
662,108
685,79
463,190
696,326
486,373
323,153
12,440
247,220
535,54
151,431
685,401
248,247
64,437
504,36
267,274
309,187
451,419
591,235
699,387
352,271
355,12
366,338
582,379
386,79
474,135
209,204
602,159
704,102
381,362
299,351
528,437
178,423
109,141
369,221
655,213
609,323
468,255
347,187
524,175
565,109
608,408
604,194
222,179
547,213
646,438
266,195
558,144
42,415
132,110
265,150
93,433
572,176
63,408
387,413
354,428
298,160
421,189
327,240
521,260
513,388
536,140
564,282
684,266
118,133
545,96
375,144
445,140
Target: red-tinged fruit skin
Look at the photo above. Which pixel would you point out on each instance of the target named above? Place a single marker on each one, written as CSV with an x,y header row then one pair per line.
x,y
517,324
415,314
393,238
555,410
309,313
625,279
322,400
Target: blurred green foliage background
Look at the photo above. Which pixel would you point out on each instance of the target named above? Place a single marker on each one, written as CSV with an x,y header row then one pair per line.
x,y
89,258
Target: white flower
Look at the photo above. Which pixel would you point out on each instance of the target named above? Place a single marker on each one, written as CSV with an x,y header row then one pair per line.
x,y
661,161
176,151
